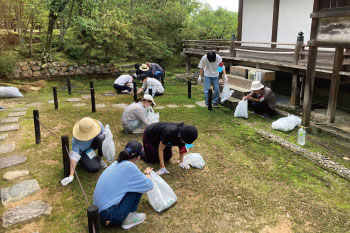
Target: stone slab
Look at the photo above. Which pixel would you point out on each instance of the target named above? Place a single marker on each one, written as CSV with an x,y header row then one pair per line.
x,y
19,109
123,106
7,148
52,101
12,175
19,191
100,105
172,106
159,107
9,120
11,127
3,136
201,103
25,213
86,97
79,105
73,100
16,114
189,106
12,160
36,104
110,94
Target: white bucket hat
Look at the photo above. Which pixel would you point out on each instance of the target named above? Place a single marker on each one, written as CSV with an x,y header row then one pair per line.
x,y
86,129
256,85
144,67
149,97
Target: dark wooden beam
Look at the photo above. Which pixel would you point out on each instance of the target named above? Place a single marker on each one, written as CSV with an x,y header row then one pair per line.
x,y
331,14
240,20
276,9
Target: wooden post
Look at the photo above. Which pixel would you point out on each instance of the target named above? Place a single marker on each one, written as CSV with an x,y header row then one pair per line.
x,y
210,99
240,20
37,126
233,46
91,84
65,155
276,7
333,95
93,101
135,91
189,88
55,100
93,219
150,91
188,63
295,94
69,88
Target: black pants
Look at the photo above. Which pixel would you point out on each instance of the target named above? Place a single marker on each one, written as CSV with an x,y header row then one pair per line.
x,y
121,88
261,108
93,165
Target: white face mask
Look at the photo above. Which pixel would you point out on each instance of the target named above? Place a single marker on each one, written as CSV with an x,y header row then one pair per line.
x,y
147,108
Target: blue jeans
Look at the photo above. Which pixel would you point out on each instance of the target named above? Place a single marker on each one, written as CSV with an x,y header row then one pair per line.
x,y
207,82
117,213
158,74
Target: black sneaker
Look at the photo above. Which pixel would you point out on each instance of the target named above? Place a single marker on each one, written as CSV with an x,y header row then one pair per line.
x,y
215,105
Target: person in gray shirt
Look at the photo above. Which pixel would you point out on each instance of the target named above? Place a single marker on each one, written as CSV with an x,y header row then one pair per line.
x,y
156,69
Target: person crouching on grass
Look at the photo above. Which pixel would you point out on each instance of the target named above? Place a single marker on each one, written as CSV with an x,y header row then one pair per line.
x,y
119,189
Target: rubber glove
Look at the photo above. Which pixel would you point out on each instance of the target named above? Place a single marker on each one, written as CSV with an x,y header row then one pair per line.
x,y
184,165
199,79
162,171
225,78
67,180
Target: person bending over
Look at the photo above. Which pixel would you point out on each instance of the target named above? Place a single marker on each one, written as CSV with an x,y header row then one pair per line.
x,y
157,70
151,83
123,83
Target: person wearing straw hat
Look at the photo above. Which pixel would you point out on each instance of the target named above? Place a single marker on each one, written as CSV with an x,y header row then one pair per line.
x,y
119,189
157,70
88,135
151,83
159,138
143,71
261,99
134,117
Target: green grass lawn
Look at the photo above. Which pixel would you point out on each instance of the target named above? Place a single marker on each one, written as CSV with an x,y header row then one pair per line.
x,y
248,185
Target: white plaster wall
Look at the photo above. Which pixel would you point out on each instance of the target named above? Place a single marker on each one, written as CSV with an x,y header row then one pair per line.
x,y
294,16
257,21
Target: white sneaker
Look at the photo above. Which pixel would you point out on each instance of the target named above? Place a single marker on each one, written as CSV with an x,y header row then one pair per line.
x,y
138,130
162,171
103,164
133,219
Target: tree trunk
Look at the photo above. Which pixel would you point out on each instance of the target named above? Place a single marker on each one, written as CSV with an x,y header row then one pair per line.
x,y
64,27
3,7
31,37
18,10
48,44
132,4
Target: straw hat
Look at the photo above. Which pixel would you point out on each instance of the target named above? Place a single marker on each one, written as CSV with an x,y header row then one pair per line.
x,y
144,67
256,85
149,97
86,129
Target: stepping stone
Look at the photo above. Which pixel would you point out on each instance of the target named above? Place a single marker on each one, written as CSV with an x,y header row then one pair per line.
x,y
189,106
9,120
110,94
36,104
11,175
86,97
100,105
17,114
12,127
25,213
12,160
172,106
79,105
52,101
3,136
159,107
19,191
7,148
73,100
123,106
19,109
201,103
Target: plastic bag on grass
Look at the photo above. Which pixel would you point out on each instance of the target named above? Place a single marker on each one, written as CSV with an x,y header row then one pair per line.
x,y
108,147
195,160
226,93
286,123
152,117
242,109
161,197
10,92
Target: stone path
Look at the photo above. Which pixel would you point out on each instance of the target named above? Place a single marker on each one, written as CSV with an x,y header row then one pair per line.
x,y
12,160
100,105
16,114
25,213
9,120
73,100
189,106
86,97
123,106
110,94
19,109
3,136
36,104
172,106
12,127
159,107
79,105
19,191
7,148
12,175
201,103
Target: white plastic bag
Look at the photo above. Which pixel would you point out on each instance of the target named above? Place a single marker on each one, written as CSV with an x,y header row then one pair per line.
x,y
286,123
152,117
161,197
195,160
226,93
108,147
10,92
242,109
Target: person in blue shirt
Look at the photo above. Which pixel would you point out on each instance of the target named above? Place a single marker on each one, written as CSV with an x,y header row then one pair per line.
x,y
88,135
119,189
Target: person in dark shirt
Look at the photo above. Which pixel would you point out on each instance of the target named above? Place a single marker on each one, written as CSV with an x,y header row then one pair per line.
x,y
143,71
159,138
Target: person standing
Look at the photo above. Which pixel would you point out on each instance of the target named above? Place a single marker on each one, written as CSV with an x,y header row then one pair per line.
x,y
210,65
119,189
159,138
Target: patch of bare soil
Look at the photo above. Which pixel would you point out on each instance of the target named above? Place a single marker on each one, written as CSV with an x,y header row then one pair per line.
x,y
284,226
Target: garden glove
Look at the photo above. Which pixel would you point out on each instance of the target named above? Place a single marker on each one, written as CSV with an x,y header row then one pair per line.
x,y
162,171
67,180
199,79
184,165
225,78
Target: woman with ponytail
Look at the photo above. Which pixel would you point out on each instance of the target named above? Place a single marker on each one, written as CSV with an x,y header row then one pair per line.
x,y
119,189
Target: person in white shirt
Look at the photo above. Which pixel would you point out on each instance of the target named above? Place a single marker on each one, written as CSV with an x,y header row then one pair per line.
x,y
123,83
151,83
210,64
